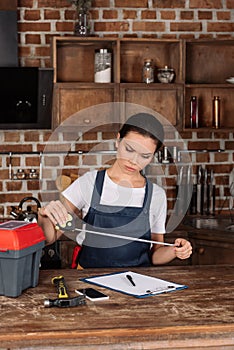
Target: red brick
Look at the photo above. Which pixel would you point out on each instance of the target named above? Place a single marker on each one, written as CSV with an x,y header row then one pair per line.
x,y
90,136
94,14
15,161
223,15
51,161
110,14
14,185
33,161
70,15
65,27
33,185
32,136
51,14
169,3
201,145
71,160
11,136
149,26
25,3
229,145
53,3
131,3
111,26
230,4
101,3
129,14
32,39
15,148
168,15
148,14
220,27
48,196
32,15
42,51
186,15
32,62
210,4
221,157
205,15
13,197
186,27
24,51
202,158
34,27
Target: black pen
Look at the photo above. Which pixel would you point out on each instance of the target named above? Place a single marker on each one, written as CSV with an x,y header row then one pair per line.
x,y
130,280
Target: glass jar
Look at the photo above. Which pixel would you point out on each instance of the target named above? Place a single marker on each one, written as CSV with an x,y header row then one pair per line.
x,y
102,63
148,71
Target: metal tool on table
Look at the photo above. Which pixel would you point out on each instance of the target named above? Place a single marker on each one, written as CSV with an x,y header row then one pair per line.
x,y
63,299
70,226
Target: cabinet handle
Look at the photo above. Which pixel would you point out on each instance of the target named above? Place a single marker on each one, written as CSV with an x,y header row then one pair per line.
x,y
87,121
201,251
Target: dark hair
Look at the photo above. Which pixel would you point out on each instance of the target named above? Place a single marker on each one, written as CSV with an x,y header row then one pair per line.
x,y
144,124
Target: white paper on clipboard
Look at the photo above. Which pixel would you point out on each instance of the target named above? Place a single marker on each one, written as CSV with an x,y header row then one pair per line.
x,y
145,286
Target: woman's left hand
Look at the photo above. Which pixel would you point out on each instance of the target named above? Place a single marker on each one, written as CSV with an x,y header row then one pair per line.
x,y
183,248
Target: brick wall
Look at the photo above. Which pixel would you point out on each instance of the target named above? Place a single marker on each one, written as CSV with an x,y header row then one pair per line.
x,y
39,20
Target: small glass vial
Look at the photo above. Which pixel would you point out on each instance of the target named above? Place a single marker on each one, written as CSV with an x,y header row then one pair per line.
x,y
216,112
102,64
148,71
193,112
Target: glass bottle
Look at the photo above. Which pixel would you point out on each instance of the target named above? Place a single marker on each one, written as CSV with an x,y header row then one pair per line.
x,y
194,112
148,71
216,112
102,64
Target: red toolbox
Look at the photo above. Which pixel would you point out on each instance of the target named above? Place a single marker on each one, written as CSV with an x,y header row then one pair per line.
x,y
21,246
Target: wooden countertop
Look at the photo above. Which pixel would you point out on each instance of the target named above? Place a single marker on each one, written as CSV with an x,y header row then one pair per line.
x,y
198,317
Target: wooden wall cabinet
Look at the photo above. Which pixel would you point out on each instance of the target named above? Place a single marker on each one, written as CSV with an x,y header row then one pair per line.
x,y
74,87
201,69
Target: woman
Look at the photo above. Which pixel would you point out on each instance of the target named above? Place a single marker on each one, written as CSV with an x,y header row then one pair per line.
x,y
120,200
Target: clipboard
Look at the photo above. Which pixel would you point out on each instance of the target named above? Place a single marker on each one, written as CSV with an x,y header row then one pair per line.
x,y
145,286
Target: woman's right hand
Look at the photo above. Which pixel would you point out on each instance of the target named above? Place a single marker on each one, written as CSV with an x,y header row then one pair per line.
x,y
55,211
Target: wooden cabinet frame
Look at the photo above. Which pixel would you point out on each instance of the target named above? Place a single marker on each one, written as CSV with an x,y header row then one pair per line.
x,y
201,67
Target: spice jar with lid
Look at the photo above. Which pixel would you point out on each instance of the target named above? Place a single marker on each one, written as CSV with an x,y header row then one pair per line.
x,y
148,71
102,63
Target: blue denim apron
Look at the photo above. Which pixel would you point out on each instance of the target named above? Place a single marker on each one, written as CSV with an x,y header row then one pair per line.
x,y
100,251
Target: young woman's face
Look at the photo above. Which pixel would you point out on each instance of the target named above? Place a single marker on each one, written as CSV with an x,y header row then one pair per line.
x,y
135,151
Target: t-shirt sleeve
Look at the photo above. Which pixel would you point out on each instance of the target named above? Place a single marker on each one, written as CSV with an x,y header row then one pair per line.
x,y
79,193
158,210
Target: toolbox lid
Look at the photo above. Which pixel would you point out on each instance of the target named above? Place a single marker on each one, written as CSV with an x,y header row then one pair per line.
x,y
17,235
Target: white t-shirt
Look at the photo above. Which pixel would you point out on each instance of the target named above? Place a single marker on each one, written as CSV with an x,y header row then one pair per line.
x,y
79,193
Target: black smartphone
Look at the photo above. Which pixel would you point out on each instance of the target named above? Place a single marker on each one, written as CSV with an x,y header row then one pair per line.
x,y
92,294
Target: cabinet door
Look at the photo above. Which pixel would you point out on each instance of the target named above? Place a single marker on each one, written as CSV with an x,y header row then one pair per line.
x,y
166,101
71,102
212,253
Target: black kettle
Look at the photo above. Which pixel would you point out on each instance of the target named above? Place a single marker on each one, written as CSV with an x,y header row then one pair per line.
x,y
27,215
